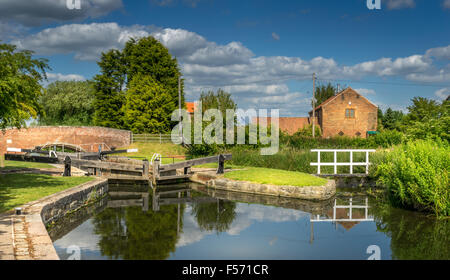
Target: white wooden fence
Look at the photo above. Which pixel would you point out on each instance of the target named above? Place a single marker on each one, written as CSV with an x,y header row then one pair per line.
x,y
349,218
335,164
151,138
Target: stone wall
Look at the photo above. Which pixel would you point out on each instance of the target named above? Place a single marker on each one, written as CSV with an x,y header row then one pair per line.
x,y
38,214
86,137
317,193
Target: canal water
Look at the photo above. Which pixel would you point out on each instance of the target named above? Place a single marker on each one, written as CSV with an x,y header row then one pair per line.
x,y
192,222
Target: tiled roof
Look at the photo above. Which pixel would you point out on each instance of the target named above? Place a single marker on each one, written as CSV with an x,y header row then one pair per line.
x,y
190,107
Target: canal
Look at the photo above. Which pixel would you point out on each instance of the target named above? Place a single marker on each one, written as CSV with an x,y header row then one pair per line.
x,y
192,222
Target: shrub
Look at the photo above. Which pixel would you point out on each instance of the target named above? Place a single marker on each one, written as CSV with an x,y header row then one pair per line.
x,y
416,176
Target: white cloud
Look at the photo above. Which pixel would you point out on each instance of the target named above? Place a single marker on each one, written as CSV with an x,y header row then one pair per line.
x,y
62,77
400,4
37,12
365,91
275,36
253,80
443,93
446,4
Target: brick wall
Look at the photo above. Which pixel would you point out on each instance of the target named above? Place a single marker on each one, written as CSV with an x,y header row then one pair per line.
x,y
335,121
289,125
87,137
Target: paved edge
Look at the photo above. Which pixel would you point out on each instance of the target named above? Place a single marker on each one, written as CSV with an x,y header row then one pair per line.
x,y
25,237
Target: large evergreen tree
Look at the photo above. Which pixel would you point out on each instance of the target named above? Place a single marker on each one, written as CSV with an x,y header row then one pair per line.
x,y
148,57
149,105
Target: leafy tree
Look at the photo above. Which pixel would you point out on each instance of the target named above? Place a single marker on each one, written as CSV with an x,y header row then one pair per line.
x,y
323,92
145,56
67,103
20,77
148,105
109,86
215,216
221,100
392,119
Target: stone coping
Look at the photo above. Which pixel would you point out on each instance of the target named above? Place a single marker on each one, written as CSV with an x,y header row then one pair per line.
x,y
318,193
30,239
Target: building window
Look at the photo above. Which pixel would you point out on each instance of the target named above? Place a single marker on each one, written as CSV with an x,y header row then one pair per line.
x,y
341,133
350,113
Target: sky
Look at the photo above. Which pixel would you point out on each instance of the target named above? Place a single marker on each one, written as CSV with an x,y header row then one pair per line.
x,y
263,52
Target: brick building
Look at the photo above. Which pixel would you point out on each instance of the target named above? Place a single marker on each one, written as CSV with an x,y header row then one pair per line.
x,y
346,113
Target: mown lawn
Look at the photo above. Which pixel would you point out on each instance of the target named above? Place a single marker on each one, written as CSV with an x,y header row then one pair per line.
x,y
275,177
18,189
23,164
146,151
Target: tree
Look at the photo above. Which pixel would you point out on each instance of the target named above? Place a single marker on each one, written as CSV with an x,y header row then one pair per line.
x,y
109,90
392,119
149,106
20,77
67,103
145,56
422,109
323,92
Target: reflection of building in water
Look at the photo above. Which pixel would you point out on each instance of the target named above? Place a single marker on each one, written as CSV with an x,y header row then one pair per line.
x,y
345,215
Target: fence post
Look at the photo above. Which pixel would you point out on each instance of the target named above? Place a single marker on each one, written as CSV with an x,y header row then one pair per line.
x,y
367,162
318,162
335,162
155,170
67,167
351,162
2,160
146,166
220,170
160,138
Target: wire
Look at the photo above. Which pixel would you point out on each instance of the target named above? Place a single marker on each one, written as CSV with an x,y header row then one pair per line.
x,y
386,83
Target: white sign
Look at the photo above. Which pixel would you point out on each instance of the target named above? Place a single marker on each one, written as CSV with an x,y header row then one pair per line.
x,y
9,141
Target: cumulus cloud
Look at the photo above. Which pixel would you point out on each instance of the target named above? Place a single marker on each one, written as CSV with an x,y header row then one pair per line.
x,y
62,77
253,80
275,36
400,4
442,93
37,12
446,4
366,91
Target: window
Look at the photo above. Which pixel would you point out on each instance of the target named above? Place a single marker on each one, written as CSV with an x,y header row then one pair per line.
x,y
341,133
350,113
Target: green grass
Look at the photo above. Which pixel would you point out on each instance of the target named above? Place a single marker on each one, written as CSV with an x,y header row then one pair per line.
x,y
18,189
275,177
23,164
146,151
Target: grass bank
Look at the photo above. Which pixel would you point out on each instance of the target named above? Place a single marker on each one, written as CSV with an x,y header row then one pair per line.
x,y
23,164
146,151
18,189
275,177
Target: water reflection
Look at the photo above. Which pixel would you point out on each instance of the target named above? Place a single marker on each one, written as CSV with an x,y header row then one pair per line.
x,y
192,222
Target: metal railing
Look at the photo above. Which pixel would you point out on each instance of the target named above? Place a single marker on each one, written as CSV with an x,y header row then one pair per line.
x,y
335,164
151,138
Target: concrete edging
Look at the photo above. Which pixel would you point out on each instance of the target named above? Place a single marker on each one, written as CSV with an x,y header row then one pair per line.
x,y
212,180
38,214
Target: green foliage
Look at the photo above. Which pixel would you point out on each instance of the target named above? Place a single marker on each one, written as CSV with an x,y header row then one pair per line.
x,y
109,94
20,77
119,69
416,176
413,236
306,131
221,100
215,216
323,92
67,103
392,119
149,106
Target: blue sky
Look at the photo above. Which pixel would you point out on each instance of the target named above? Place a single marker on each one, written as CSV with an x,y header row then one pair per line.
x,y
263,52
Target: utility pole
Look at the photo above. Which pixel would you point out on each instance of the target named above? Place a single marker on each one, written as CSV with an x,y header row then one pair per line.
x,y
179,109
314,107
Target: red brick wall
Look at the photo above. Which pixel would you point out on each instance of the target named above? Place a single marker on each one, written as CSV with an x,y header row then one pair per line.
x,y
87,137
290,125
334,119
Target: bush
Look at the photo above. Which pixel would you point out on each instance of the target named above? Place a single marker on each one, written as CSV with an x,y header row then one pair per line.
x,y
416,176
